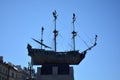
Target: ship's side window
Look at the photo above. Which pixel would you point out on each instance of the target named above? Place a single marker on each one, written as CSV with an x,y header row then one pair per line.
x,y
46,70
63,69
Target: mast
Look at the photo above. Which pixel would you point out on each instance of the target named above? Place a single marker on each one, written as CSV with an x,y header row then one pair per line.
x,y
42,29
55,31
74,33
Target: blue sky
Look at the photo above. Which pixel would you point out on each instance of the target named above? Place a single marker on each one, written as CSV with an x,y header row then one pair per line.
x,y
21,20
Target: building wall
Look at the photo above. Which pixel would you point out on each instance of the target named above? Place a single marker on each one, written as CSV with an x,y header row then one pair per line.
x,y
55,75
22,74
12,73
9,71
3,71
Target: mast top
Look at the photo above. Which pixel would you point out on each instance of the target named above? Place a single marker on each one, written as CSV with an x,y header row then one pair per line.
x,y
74,18
42,29
55,14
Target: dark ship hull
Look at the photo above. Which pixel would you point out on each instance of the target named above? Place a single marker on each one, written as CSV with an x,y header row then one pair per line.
x,y
41,56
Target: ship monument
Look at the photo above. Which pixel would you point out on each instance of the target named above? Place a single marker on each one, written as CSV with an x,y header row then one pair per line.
x,y
55,65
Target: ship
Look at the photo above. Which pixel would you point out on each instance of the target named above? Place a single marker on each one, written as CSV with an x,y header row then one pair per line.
x,y
40,56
